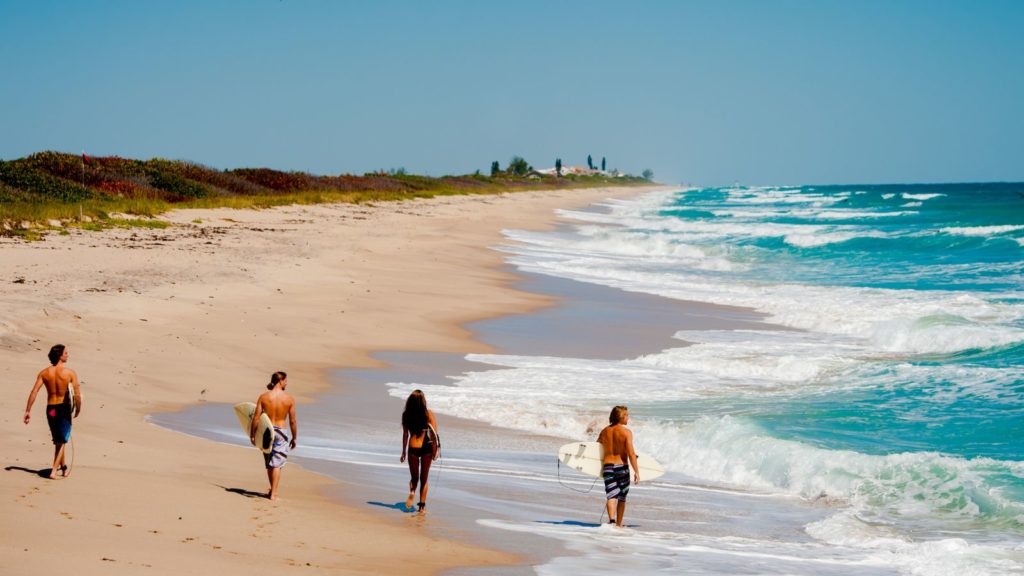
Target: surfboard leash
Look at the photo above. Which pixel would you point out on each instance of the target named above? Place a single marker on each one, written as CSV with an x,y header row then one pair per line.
x,y
437,460
71,440
587,491
71,466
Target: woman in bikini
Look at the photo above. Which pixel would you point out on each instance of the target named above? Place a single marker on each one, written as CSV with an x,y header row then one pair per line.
x,y
418,444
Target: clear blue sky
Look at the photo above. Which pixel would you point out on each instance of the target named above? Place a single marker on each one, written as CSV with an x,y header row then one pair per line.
x,y
759,92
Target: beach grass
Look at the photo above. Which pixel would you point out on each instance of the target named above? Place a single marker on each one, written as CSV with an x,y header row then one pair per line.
x,y
81,192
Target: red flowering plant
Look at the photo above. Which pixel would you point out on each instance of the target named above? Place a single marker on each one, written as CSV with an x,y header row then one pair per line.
x,y
277,180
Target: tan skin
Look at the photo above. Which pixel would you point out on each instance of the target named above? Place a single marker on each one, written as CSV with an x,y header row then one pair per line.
x,y
617,441
56,380
279,406
416,441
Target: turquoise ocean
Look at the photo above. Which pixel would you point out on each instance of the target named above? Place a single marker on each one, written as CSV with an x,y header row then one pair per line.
x,y
877,414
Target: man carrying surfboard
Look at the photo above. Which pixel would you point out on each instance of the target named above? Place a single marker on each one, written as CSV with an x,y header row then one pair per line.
x,y
63,397
278,405
617,441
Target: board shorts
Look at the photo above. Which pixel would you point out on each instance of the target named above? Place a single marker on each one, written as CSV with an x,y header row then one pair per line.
x,y
58,418
616,481
278,455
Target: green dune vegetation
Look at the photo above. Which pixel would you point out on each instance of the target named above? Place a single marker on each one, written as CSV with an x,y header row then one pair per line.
x,y
55,190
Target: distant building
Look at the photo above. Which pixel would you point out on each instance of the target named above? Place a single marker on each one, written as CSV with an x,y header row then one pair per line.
x,y
574,171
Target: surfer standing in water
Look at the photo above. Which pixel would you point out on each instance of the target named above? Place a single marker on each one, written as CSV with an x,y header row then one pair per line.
x,y
278,405
61,385
617,441
419,431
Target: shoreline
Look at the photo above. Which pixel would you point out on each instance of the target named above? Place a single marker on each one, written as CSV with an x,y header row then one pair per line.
x,y
163,319
358,449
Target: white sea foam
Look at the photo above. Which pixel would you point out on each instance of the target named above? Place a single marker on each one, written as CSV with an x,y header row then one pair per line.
x,y
808,214
895,320
858,549
909,196
981,230
569,397
635,250
913,487
706,230
941,557
609,551
780,196
520,391
773,357
812,240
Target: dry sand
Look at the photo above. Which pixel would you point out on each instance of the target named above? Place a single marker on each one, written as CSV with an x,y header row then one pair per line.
x,y
205,311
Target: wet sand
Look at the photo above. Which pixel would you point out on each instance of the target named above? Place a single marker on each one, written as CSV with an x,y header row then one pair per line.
x,y
358,418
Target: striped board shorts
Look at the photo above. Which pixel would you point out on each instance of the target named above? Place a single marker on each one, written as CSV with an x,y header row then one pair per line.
x,y
616,481
278,456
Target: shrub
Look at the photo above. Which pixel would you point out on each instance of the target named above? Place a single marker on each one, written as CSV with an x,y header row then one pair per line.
x,y
180,188
277,180
12,194
40,184
221,182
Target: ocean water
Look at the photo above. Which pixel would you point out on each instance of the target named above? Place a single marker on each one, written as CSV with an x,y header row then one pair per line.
x,y
873,425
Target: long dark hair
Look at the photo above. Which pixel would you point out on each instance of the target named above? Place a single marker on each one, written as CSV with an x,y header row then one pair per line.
x,y
275,378
415,415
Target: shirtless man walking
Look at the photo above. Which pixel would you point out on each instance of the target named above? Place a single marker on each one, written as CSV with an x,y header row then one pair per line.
x,y
617,441
61,384
279,405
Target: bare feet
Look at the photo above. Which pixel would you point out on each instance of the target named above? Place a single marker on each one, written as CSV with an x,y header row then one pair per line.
x,y
65,471
408,501
422,506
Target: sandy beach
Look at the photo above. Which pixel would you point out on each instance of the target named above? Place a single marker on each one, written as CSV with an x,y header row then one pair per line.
x,y
204,311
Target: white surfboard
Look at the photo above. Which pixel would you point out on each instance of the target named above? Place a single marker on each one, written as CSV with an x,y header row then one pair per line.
x,y
585,457
71,407
264,428
436,439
